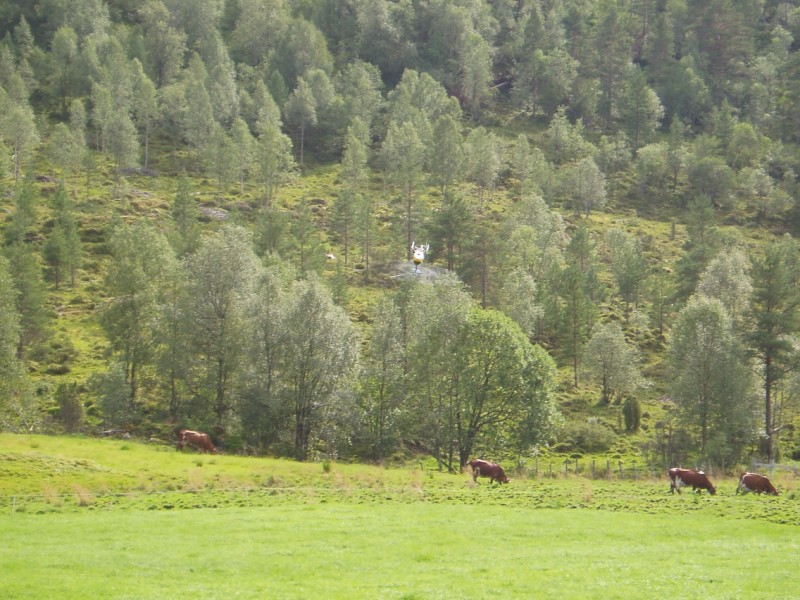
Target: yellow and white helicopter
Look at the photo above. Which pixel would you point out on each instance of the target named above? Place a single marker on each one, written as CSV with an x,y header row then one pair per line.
x,y
418,254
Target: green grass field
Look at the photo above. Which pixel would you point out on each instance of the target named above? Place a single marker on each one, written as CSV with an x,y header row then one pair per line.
x,y
394,551
85,518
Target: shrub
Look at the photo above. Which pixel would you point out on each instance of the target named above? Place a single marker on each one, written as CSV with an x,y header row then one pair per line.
x,y
632,412
70,409
587,436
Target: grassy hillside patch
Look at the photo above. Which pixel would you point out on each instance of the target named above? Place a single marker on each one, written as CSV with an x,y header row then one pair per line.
x,y
42,475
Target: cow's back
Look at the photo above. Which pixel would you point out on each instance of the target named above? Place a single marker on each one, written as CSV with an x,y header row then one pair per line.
x,y
688,477
198,439
484,468
755,482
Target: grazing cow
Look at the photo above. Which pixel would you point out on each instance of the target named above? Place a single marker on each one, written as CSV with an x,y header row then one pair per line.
x,y
198,439
485,468
687,477
753,482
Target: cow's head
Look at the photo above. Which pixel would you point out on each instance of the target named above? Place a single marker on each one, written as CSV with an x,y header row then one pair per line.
x,y
712,489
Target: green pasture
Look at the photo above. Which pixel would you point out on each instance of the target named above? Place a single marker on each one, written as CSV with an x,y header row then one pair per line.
x,y
393,551
101,518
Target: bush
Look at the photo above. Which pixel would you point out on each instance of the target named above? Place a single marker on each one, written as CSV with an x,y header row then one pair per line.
x,y
70,409
632,413
589,436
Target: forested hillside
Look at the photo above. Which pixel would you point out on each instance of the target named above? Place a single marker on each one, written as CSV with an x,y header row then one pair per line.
x,y
209,208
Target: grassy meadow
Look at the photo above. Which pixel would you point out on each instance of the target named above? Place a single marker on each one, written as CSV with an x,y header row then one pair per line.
x,y
89,518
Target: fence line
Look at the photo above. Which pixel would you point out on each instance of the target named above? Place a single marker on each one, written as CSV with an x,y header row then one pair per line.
x,y
593,469
619,470
755,466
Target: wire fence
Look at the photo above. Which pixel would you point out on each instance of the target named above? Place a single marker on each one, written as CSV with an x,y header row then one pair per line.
x,y
609,469
593,469
772,467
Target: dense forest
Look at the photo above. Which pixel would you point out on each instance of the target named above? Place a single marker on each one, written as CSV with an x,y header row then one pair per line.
x,y
209,210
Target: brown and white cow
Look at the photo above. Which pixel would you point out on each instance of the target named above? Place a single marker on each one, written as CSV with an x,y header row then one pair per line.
x,y
753,482
198,439
687,477
484,468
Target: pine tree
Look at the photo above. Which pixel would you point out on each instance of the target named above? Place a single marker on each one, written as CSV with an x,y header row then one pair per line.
x,y
19,411
775,313
403,155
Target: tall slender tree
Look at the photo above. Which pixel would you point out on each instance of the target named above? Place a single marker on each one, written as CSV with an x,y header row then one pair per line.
x,y
165,43
198,119
711,381
301,114
221,276
450,230
447,155
775,312
612,362
629,266
319,358
476,71
18,129
381,388
611,59
483,161
577,315
142,263
18,410
66,249
640,109
403,155
433,314
355,156
727,279
144,107
25,269
274,164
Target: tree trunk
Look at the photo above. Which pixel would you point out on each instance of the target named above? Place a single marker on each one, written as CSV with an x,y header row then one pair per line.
x,y
768,426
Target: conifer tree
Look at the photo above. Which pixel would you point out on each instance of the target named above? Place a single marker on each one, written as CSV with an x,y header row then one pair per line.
x,y
18,409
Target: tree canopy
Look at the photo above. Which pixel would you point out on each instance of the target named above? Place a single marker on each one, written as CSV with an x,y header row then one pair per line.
x,y
208,212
